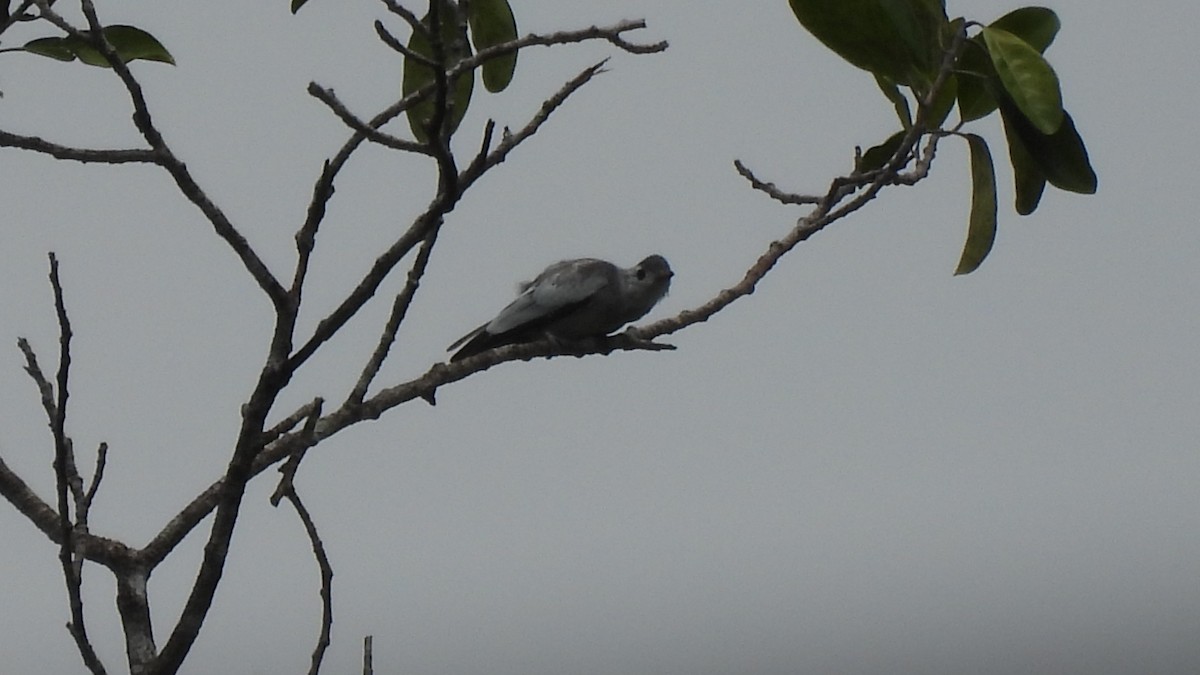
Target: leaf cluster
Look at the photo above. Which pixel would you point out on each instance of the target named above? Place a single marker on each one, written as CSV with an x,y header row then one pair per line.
x,y
998,67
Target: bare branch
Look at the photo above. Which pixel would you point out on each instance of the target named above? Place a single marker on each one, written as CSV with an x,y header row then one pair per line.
x,y
85,505
287,489
108,552
288,423
485,161
35,372
327,97
406,14
64,475
28,504
391,41
399,311
57,151
162,152
769,188
368,657
293,464
318,547
612,34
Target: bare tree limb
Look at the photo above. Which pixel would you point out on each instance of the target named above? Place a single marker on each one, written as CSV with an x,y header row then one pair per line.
x,y
399,311
327,97
57,151
287,490
411,19
162,152
63,478
486,160
394,43
368,656
84,505
323,639
769,188
108,552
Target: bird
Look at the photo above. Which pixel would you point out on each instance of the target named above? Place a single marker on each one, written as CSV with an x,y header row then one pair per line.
x,y
571,300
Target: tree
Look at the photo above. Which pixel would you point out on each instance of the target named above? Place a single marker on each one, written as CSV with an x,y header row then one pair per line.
x,y
1006,74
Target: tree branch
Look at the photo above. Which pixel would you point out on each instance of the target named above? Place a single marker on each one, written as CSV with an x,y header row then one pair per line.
x,y
65,475
85,155
399,311
164,157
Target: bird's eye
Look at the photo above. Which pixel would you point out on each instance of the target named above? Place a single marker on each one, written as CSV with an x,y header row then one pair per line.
x,y
641,274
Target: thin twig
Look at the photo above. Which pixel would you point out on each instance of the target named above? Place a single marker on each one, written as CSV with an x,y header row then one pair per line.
x,y
318,547
287,490
399,311
485,161
327,97
85,505
770,188
368,656
63,477
45,389
57,151
162,152
288,470
394,43
288,423
408,16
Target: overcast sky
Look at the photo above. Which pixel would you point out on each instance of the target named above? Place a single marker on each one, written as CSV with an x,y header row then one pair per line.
x,y
868,466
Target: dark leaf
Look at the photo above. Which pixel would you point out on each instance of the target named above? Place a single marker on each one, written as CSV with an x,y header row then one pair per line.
x,y
879,155
899,102
297,4
492,23
1029,181
1061,156
981,232
898,39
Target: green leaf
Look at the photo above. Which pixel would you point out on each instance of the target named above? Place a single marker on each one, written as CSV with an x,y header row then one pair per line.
x,y
877,156
492,23
899,102
1035,25
1027,78
129,42
133,43
1061,156
981,232
55,48
418,75
1028,180
898,39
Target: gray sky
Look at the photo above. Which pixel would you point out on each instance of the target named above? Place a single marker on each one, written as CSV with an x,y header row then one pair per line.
x,y
869,466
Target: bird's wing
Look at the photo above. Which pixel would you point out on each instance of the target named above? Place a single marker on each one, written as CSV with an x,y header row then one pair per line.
x,y
561,287
460,341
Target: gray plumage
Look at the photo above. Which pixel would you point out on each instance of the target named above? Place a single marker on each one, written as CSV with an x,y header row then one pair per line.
x,y
570,300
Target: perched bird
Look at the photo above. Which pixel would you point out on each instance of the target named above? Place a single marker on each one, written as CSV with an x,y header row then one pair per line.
x,y
570,300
